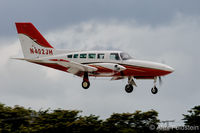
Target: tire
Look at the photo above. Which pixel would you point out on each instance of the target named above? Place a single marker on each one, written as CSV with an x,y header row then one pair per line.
x,y
128,88
154,90
85,84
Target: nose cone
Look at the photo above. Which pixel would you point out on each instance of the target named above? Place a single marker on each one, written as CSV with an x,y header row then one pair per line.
x,y
168,68
165,68
162,69
151,68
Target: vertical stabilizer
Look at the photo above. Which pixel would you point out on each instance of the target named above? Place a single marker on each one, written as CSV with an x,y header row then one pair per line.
x,y
34,45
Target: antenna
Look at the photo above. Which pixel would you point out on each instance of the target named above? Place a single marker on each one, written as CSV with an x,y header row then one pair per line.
x,y
167,122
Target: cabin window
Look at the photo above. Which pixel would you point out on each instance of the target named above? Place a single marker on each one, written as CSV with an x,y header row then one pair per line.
x,y
83,55
100,56
75,55
69,56
92,56
114,56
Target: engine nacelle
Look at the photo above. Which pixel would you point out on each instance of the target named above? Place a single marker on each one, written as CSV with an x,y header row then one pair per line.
x,y
118,67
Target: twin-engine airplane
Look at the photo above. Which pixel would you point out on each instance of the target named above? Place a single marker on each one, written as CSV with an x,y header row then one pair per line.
x,y
115,64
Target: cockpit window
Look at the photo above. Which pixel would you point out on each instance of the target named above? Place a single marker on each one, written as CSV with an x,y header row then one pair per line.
x,y
114,56
125,56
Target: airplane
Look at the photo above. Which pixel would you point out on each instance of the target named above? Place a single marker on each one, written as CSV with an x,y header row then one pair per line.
x,y
115,64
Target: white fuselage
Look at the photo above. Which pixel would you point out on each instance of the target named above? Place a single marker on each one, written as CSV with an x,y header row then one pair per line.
x,y
111,62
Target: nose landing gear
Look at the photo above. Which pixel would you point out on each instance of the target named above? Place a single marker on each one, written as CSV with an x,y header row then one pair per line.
x,y
86,82
154,90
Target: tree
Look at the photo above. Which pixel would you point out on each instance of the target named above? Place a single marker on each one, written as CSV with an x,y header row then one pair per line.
x,y
193,118
87,124
13,119
55,121
131,122
21,120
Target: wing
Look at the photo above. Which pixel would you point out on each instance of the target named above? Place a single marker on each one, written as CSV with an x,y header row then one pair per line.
x,y
71,66
74,67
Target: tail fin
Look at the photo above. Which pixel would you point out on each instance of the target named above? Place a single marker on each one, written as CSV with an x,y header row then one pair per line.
x,y
34,45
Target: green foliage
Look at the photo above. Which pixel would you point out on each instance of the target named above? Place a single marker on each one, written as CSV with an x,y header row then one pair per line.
x,y
193,118
20,120
131,122
55,121
13,119
89,124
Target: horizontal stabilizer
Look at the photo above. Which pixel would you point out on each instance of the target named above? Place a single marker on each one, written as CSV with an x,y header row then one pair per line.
x,y
30,60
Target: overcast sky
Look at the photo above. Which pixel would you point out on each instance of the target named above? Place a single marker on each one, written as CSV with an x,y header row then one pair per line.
x,y
153,30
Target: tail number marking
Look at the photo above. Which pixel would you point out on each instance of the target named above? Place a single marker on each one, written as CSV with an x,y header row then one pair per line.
x,y
41,51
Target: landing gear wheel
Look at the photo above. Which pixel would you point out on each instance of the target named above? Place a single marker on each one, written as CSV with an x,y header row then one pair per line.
x,y
128,88
154,90
85,84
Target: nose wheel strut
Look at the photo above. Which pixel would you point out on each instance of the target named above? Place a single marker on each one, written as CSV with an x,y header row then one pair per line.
x,y
154,89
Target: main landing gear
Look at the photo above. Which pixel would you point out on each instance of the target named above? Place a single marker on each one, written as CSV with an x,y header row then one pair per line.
x,y
86,82
129,86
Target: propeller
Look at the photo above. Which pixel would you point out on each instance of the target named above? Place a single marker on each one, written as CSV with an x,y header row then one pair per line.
x,y
160,80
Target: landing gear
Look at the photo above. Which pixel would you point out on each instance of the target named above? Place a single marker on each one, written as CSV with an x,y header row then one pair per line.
x,y
86,82
154,90
129,86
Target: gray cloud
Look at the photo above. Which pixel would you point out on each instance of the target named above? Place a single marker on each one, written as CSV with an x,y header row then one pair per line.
x,y
51,14
35,86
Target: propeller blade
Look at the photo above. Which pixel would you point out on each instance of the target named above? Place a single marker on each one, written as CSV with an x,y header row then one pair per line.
x,y
160,80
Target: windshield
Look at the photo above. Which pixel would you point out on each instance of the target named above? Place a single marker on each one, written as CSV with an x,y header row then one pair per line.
x,y
125,56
